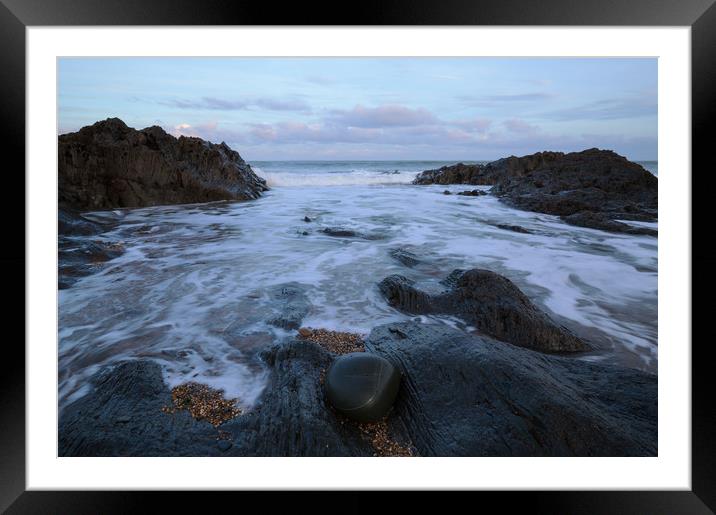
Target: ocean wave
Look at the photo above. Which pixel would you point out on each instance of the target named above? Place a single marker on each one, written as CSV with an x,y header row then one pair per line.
x,y
358,178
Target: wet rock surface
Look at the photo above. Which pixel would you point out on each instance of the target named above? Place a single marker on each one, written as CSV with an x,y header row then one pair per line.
x,y
488,301
78,255
109,165
405,257
341,232
293,305
465,395
472,193
591,188
461,395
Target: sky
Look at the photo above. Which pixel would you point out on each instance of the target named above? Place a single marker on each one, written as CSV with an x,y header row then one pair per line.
x,y
374,108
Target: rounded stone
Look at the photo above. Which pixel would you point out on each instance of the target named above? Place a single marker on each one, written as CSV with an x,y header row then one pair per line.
x,y
362,386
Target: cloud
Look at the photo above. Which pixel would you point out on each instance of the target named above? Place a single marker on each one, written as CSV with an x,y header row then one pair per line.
x,y
608,109
520,126
382,116
213,103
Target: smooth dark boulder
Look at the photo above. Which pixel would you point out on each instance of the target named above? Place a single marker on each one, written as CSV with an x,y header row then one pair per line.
x,y
292,304
466,395
109,165
490,302
362,386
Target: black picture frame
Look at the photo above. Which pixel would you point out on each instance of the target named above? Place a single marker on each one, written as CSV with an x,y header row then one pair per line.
x,y
17,15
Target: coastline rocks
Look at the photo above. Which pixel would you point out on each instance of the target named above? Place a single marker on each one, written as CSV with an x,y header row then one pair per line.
x,y
600,184
599,181
513,228
122,417
293,306
109,165
486,174
461,395
362,386
466,395
488,301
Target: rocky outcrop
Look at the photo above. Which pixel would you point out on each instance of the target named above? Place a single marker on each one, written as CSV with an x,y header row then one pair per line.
x,y
487,174
488,301
596,186
109,165
461,395
599,181
404,257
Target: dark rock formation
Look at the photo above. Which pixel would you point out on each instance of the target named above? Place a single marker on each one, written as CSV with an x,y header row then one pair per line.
x,y
491,303
108,165
293,305
465,395
461,395
601,183
405,257
487,174
123,416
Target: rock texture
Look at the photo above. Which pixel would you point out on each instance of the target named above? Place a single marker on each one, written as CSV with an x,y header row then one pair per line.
x,y
109,165
461,395
487,174
591,188
292,303
488,301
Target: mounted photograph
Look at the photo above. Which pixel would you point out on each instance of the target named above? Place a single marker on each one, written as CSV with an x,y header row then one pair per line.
x,y
357,256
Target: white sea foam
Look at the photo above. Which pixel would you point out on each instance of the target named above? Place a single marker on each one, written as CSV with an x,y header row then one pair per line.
x,y
192,290
354,178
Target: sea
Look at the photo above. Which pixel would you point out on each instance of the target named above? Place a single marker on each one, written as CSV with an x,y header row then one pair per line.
x,y
193,289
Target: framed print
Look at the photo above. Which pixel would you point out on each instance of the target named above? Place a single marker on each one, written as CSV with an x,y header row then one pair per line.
x,y
420,252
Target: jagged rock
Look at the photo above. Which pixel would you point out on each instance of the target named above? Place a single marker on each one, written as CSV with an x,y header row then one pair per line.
x,y
488,301
486,174
108,165
340,232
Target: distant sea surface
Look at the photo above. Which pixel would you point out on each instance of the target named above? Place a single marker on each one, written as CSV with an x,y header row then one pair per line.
x,y
191,272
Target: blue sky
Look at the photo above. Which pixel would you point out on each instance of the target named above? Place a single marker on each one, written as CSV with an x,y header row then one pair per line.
x,y
374,108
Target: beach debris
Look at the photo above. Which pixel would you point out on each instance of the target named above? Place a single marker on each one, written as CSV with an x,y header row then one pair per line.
x,y
334,341
203,403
